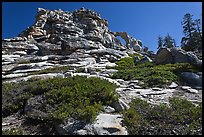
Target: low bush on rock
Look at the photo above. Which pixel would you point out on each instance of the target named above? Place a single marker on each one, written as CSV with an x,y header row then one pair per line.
x,y
24,62
80,70
180,117
13,96
77,97
136,54
59,69
127,62
150,73
12,132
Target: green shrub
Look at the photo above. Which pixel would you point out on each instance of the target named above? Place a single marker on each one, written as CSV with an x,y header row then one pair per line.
x,y
150,73
24,62
77,97
12,132
80,70
184,111
81,98
59,69
180,116
127,62
136,55
98,70
13,96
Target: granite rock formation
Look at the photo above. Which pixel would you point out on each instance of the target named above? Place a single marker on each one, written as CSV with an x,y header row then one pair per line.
x,y
176,55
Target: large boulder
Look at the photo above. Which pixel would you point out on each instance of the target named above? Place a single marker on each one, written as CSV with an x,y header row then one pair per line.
x,y
176,55
179,55
143,60
32,108
164,56
193,59
192,79
105,124
109,124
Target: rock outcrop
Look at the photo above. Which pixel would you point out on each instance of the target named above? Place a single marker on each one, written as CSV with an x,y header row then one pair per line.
x,y
130,42
192,79
62,33
105,124
176,55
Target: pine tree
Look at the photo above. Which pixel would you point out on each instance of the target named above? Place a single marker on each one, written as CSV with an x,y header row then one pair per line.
x,y
160,42
192,39
188,25
174,43
169,42
198,27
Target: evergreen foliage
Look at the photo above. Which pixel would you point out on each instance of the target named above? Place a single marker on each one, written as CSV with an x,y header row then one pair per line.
x,y
180,117
160,42
151,74
167,42
73,97
192,39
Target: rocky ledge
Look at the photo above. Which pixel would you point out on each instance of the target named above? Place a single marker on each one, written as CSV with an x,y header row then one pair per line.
x,y
67,44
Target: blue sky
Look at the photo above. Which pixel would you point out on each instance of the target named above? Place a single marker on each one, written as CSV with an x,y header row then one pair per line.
x,y
141,20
